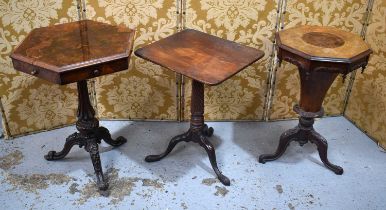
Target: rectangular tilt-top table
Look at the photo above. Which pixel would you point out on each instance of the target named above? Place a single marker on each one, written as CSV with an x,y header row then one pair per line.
x,y
205,59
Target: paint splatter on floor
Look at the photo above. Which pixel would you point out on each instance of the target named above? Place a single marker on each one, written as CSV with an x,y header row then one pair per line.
x,y
221,191
11,160
35,182
152,183
119,187
210,181
73,188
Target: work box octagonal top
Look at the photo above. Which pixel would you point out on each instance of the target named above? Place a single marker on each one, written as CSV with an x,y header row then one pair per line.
x,y
324,44
74,51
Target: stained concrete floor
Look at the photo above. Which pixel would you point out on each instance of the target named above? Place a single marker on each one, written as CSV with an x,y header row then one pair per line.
x,y
185,180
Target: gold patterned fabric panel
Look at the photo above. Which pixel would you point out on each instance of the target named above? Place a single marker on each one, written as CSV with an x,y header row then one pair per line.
x,y
367,103
31,104
346,15
145,91
249,22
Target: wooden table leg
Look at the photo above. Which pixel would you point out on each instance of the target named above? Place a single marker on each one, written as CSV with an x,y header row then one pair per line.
x,y
303,133
197,133
313,89
89,135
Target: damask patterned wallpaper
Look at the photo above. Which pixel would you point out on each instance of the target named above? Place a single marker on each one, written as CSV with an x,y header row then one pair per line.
x,y
251,23
30,104
367,104
147,91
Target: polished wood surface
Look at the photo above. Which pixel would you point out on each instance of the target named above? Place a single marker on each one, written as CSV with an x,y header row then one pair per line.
x,y
323,41
321,54
200,56
75,51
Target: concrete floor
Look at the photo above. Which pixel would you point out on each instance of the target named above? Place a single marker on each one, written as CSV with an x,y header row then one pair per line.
x,y
185,180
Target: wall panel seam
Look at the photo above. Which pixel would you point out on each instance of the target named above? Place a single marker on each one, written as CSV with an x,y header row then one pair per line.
x,y
182,78
280,12
6,130
365,23
179,77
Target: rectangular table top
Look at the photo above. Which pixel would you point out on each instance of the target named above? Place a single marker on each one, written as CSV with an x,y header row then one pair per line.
x,y
74,51
200,56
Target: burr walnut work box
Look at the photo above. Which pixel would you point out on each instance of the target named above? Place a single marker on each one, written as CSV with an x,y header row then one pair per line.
x,y
75,52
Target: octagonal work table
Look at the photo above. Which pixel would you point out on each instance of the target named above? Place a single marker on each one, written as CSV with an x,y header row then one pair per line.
x,y
320,53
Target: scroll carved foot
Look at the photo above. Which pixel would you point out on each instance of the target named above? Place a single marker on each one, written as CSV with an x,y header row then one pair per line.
x,y
212,158
285,140
104,134
322,146
173,142
73,139
92,148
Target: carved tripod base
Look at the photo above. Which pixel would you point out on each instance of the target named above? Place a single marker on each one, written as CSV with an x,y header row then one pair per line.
x,y
197,133
198,136
304,132
89,136
90,143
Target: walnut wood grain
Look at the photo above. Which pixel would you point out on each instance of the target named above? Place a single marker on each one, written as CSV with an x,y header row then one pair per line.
x,y
73,52
323,39
323,42
200,56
